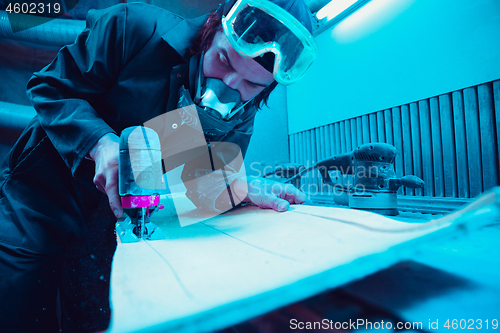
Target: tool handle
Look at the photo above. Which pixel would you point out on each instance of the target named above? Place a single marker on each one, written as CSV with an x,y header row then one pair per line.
x,y
411,182
286,170
408,181
343,163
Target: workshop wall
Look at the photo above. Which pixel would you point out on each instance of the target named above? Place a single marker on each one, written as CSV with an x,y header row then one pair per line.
x,y
393,52
451,141
269,143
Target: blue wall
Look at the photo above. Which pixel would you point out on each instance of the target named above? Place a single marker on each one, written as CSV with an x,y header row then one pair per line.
x,y
269,143
392,52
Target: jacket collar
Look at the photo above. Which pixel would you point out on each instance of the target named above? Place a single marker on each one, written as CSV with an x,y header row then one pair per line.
x,y
181,35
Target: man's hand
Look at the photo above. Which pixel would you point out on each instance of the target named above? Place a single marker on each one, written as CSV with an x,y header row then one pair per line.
x,y
267,193
105,154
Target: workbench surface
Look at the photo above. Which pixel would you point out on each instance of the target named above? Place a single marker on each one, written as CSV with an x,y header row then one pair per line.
x,y
457,279
244,263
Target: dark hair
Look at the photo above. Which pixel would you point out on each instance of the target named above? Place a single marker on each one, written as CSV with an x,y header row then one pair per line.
x,y
203,41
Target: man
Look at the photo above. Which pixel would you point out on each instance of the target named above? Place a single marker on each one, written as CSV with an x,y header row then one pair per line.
x,y
133,63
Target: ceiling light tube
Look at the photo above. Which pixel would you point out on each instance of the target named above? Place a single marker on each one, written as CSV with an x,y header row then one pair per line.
x,y
334,8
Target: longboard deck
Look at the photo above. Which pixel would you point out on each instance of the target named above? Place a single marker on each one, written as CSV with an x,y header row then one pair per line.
x,y
249,261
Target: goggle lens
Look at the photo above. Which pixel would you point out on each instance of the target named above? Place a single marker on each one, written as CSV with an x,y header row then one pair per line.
x,y
253,32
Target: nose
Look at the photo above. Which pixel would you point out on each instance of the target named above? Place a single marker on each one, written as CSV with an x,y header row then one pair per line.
x,y
232,80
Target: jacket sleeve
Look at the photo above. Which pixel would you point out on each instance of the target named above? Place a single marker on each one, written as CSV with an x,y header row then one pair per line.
x,y
62,92
208,177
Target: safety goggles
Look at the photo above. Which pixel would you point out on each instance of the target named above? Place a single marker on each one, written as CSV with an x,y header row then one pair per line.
x,y
257,27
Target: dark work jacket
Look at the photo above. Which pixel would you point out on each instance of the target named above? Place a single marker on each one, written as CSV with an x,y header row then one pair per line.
x,y
124,69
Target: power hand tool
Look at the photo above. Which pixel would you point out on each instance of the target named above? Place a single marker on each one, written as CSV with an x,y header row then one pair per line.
x,y
374,185
140,182
289,170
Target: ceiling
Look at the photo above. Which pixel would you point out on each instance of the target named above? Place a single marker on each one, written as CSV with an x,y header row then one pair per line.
x,y
194,8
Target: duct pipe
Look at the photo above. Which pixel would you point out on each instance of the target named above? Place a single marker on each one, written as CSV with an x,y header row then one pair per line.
x,y
15,116
49,35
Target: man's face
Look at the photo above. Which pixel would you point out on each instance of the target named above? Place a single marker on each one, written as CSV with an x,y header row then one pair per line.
x,y
245,75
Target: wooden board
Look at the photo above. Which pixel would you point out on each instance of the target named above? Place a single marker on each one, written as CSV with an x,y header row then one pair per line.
x,y
236,266
454,279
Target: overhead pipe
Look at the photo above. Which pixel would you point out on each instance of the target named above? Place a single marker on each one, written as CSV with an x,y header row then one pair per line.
x,y
51,34
15,116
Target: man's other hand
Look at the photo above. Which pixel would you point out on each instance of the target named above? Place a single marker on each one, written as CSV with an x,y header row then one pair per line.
x,y
105,154
267,193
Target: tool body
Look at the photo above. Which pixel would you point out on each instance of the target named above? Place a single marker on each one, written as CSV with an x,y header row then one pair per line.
x,y
289,170
375,184
139,183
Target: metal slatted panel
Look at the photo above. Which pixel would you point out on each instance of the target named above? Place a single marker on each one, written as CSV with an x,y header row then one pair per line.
x,y
496,98
337,139
398,143
359,131
372,118
448,142
437,148
308,155
426,137
388,126
381,126
327,152
451,141
407,145
348,139
314,158
488,139
461,145
312,148
343,147
296,148
301,148
354,136
365,128
473,141
319,156
416,144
